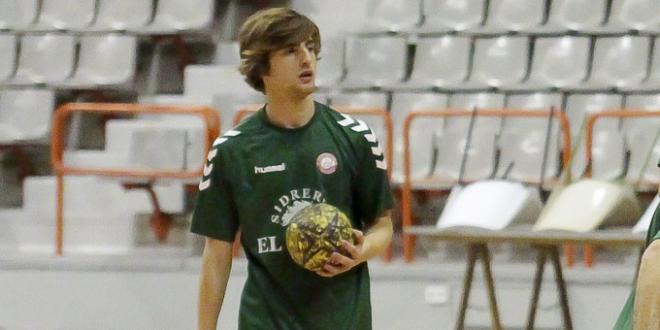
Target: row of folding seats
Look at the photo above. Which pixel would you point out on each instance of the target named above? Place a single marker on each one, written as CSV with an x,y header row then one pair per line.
x,y
508,63
505,16
137,16
521,140
67,61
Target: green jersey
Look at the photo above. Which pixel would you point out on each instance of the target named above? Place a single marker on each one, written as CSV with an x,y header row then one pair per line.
x,y
624,322
257,177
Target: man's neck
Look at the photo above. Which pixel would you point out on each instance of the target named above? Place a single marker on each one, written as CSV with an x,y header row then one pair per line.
x,y
288,112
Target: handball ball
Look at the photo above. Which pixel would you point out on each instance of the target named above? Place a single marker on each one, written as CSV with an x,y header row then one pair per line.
x,y
315,232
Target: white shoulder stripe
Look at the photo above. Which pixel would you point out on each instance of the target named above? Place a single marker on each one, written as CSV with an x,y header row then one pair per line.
x,y
361,127
348,120
371,137
204,184
232,133
212,154
207,169
377,151
219,141
381,164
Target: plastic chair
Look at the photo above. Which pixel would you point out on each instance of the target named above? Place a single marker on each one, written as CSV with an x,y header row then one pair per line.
x,y
652,81
573,15
47,58
375,62
330,69
121,15
512,16
392,15
208,80
18,14
65,15
439,62
25,114
172,16
8,44
451,15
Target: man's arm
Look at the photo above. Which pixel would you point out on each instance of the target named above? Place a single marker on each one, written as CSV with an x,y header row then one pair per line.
x,y
216,265
647,297
366,246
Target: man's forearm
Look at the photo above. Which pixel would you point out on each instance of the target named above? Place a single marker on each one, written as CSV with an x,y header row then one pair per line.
x,y
216,266
378,236
647,296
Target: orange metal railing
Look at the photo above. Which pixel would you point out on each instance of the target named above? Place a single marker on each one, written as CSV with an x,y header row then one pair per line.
x,y
408,239
62,114
368,111
588,251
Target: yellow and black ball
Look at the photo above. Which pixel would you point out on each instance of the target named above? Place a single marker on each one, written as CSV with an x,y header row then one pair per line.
x,y
315,232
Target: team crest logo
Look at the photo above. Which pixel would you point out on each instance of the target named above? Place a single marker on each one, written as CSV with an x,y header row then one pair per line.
x,y
326,163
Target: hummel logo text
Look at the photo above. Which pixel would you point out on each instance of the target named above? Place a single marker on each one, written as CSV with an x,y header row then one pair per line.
x,y
269,169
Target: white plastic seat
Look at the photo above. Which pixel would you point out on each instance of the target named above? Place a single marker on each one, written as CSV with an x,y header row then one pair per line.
x,y
640,133
422,132
104,60
523,140
18,14
636,15
121,15
330,69
497,62
65,15
172,16
392,15
375,62
439,62
47,58
25,114
208,80
512,16
228,53
325,14
8,44
652,81
618,62
228,104
452,15
573,15
556,63
608,140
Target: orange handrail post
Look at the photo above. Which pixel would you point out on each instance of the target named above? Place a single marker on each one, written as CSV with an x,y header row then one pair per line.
x,y
369,111
588,252
209,116
408,239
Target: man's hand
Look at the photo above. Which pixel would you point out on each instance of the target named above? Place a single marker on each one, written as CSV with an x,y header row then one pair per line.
x,y
340,263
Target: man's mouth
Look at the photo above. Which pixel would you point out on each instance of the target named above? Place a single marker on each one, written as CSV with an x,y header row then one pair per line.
x,y
306,74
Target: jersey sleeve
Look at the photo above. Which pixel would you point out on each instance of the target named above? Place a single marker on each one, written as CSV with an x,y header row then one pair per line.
x,y
215,213
372,191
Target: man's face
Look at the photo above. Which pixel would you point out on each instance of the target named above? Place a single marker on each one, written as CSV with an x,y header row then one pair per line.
x,y
292,70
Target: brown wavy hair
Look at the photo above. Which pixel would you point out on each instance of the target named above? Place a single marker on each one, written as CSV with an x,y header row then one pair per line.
x,y
269,30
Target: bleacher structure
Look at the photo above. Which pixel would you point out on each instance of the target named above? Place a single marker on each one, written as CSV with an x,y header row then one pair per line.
x,y
404,56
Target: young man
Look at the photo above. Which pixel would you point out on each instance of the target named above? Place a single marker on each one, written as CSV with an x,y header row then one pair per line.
x,y
642,310
292,153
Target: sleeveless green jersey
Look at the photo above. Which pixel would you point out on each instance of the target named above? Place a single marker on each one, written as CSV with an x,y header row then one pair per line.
x,y
257,177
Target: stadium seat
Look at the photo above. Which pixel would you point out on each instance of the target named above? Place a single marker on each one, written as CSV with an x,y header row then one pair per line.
x,y
452,141
557,62
173,16
497,62
104,60
511,16
8,43
573,15
228,53
449,15
25,114
523,139
422,132
18,14
228,104
633,15
64,15
122,15
208,80
652,81
618,62
392,15
439,62
608,140
47,58
330,69
375,62
641,134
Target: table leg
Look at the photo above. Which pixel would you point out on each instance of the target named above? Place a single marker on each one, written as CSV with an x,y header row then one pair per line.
x,y
467,284
561,285
490,287
538,279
